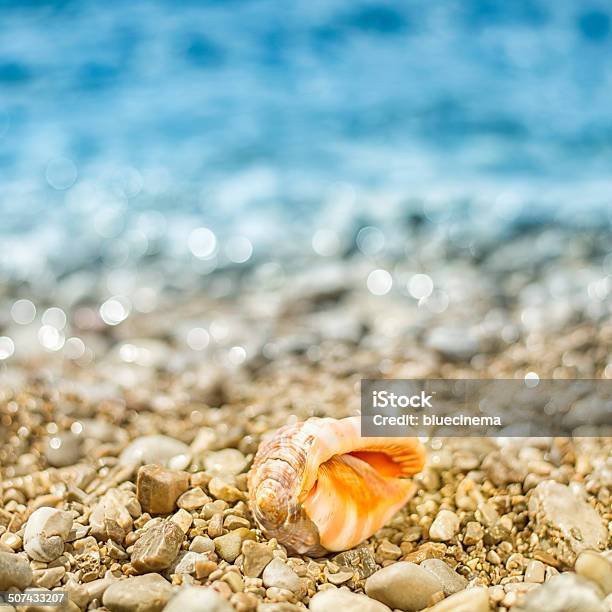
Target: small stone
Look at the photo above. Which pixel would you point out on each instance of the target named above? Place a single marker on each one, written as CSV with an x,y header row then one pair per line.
x,y
202,544
158,488
278,574
452,582
45,533
228,546
473,533
555,505
564,593
468,600
227,461
63,449
341,599
487,515
193,499
596,568
48,578
198,599
14,571
220,489
535,571
387,550
403,585
110,518
493,558
157,449
12,540
148,593
234,522
444,527
157,547
359,559
183,519
185,563
339,577
256,557
204,568
215,526
279,607
235,581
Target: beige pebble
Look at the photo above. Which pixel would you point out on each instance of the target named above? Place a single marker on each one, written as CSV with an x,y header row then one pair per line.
x,y
228,546
193,499
597,568
535,571
469,600
157,548
220,489
158,488
444,527
473,533
183,519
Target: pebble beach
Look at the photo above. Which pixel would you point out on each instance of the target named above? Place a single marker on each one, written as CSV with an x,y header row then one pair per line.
x,y
123,466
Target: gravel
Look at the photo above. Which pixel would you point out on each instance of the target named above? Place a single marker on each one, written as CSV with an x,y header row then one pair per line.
x,y
148,593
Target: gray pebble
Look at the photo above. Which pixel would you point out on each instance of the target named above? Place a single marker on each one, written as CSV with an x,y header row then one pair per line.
x,y
452,582
14,571
403,585
341,599
148,593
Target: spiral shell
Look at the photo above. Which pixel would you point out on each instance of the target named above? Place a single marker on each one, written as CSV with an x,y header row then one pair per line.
x,y
319,486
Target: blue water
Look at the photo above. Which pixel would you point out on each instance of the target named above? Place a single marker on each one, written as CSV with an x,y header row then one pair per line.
x,y
250,116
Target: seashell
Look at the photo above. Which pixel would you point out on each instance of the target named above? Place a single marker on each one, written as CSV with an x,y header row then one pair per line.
x,y
319,486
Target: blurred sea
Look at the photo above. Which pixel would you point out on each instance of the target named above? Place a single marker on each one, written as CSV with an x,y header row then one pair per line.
x,y
124,126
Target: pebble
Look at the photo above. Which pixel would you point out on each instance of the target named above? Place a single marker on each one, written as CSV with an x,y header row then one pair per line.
x,y
468,600
202,544
157,547
255,557
535,571
360,559
48,578
215,526
564,593
193,499
198,599
156,449
452,582
185,563
280,575
473,533
45,533
341,599
279,607
183,519
224,462
14,571
555,505
596,568
228,546
148,593
63,449
158,488
444,527
110,519
220,489
403,585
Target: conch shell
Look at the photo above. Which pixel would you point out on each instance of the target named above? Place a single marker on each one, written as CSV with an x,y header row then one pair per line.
x,y
319,486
